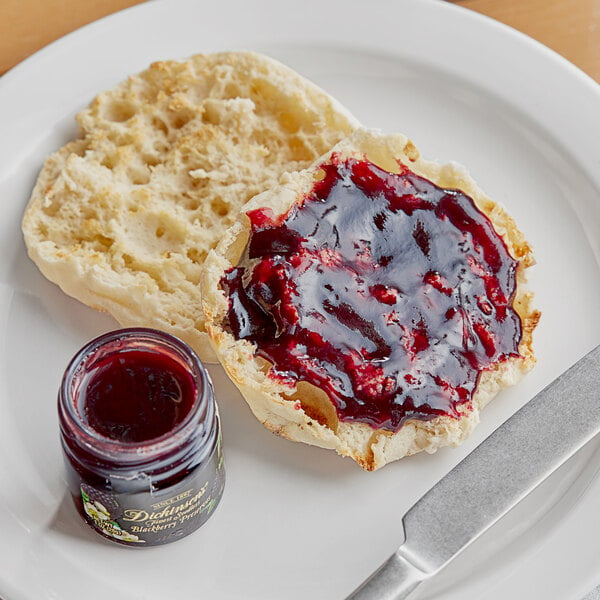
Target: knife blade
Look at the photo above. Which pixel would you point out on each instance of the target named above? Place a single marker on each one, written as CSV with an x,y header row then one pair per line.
x,y
491,480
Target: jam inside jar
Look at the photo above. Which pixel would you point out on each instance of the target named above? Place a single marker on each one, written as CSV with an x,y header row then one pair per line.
x,y
141,437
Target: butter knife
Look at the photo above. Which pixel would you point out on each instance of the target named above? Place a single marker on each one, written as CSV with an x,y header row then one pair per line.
x,y
491,480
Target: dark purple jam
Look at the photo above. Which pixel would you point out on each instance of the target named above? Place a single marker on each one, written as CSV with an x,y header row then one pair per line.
x,y
137,395
386,291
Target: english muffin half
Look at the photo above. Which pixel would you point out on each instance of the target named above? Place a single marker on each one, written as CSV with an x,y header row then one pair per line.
x,y
372,303
123,217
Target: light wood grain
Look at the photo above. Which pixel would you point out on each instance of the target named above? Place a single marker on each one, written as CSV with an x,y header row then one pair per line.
x,y
28,25
570,27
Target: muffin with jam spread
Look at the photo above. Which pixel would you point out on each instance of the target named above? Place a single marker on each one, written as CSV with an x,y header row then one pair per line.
x,y
373,303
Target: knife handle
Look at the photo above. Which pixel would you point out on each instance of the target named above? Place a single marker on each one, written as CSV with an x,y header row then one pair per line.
x,y
396,579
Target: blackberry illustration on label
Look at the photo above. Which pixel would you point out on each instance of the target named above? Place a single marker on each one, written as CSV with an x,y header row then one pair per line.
x,y
102,519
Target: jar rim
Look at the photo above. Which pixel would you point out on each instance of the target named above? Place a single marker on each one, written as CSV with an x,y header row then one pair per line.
x,y
138,452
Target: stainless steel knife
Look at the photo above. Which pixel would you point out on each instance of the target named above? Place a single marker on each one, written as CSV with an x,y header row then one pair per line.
x,y
491,480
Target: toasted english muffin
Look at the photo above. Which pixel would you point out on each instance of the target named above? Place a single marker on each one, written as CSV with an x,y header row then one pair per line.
x,y
123,217
289,354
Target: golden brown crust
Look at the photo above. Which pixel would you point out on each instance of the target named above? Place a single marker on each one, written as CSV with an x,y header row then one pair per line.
x,y
123,218
303,413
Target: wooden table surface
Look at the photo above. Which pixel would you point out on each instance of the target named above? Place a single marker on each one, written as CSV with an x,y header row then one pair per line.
x,y
571,27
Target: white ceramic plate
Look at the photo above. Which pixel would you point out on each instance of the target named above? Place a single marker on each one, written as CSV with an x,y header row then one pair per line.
x,y
299,522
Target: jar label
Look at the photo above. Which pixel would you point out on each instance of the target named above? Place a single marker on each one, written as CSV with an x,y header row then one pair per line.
x,y
160,516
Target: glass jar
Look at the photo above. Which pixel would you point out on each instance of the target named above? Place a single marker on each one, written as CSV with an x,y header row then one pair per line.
x,y
141,437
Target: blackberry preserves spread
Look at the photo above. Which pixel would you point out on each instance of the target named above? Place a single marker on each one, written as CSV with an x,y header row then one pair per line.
x,y
383,289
